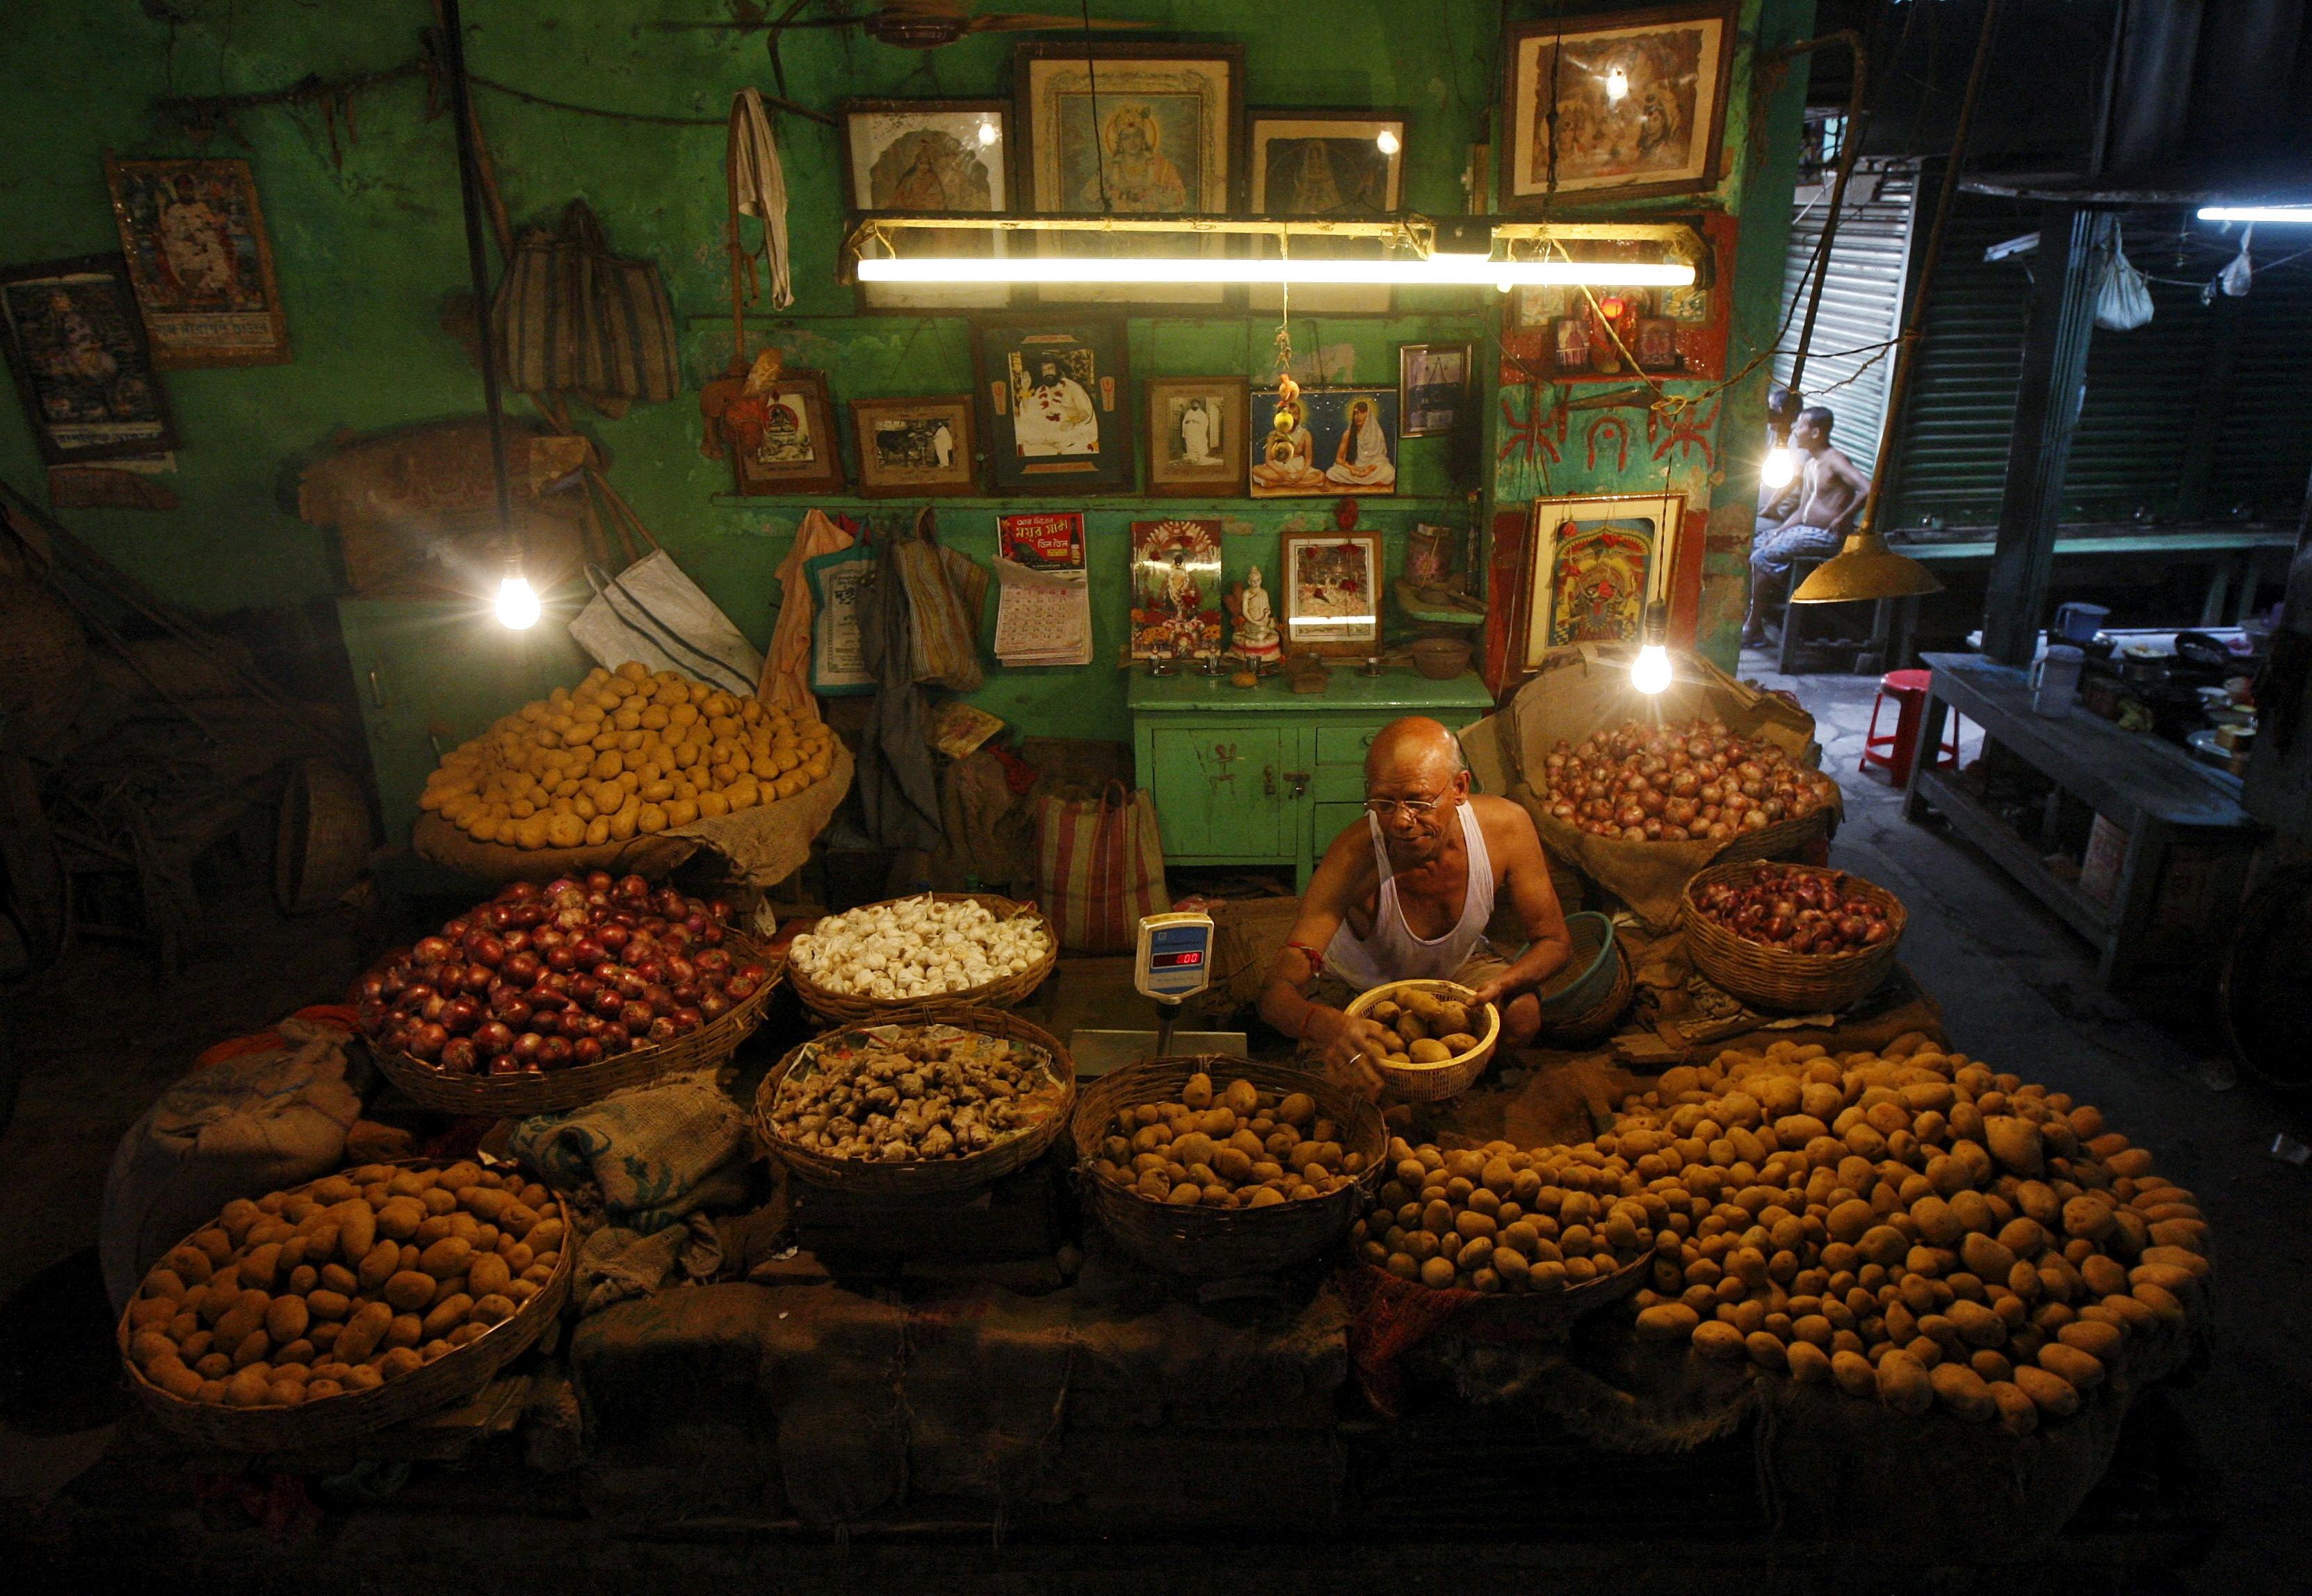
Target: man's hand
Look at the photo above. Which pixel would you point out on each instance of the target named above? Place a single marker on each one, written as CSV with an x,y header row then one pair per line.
x,y
1345,1047
1501,989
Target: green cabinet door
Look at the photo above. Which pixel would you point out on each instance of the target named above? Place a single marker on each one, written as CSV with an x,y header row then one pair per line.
x,y
1327,821
431,674
1220,792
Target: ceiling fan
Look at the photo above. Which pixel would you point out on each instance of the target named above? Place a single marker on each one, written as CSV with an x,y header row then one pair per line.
x,y
905,25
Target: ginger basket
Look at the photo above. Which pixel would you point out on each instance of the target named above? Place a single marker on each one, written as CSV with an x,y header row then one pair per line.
x,y
515,1097
454,1377
1224,1244
845,1008
1770,977
1448,1077
921,1177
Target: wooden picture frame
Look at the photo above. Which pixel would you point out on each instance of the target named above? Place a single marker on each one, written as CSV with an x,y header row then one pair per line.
x,y
782,440
193,234
1317,457
1171,116
81,363
1434,384
1319,163
1592,561
902,454
1068,372
1330,593
1198,432
1639,101
925,157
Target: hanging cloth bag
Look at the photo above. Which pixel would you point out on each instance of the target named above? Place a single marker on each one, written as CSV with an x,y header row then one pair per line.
x,y
652,612
1100,868
946,590
572,317
2123,299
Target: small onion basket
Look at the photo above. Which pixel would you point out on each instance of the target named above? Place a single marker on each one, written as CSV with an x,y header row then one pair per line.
x,y
1770,977
515,1096
921,1177
846,1008
454,1377
1448,1078
1224,1244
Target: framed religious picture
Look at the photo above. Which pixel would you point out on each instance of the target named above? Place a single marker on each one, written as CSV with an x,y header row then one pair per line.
x,y
915,447
1344,164
920,156
1594,562
1432,387
77,347
1326,443
1175,589
1332,592
1197,432
1134,130
194,237
1613,107
782,437
1566,333
1052,404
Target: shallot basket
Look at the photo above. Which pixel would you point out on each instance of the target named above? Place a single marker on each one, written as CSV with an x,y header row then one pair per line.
x,y
1770,977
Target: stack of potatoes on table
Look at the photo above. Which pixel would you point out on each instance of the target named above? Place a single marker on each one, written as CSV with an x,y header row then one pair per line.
x,y
343,1284
1238,1147
1907,1224
1495,1218
623,752
1423,1028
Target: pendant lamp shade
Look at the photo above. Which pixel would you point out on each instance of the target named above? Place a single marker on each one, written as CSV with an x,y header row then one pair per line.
x,y
1866,567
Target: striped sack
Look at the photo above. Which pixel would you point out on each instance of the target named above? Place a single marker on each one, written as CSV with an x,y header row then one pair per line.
x,y
1100,868
572,317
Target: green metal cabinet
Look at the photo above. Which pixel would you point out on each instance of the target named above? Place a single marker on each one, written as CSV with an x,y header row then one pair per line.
x,y
432,673
1267,776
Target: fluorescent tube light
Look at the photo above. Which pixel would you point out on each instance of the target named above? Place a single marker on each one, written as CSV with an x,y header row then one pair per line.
x,y
1437,270
2283,213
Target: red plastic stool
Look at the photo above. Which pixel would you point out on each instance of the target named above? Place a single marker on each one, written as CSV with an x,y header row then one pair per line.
x,y
1908,689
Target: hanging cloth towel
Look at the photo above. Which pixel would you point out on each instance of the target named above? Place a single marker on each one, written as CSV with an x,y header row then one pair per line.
x,y
785,682
898,791
758,188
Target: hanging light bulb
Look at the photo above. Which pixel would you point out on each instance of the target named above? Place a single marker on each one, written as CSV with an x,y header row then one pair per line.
x,y
517,604
1617,84
1386,141
1651,674
1780,468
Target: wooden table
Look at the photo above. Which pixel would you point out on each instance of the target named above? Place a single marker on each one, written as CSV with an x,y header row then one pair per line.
x,y
2187,843
1267,776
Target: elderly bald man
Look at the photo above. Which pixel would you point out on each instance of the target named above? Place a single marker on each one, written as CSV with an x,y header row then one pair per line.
x,y
1405,894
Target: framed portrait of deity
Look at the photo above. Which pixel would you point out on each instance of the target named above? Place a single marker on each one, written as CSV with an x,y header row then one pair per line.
x,y
1137,131
1593,563
202,265
1332,592
1176,589
782,437
1052,393
923,157
1613,107
1340,164
1326,442
78,350
910,448
1198,431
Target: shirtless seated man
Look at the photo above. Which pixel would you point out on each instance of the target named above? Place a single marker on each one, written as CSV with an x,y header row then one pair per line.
x,y
1405,894
1831,491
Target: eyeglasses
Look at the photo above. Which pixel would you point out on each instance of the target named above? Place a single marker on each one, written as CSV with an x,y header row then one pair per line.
x,y
1418,808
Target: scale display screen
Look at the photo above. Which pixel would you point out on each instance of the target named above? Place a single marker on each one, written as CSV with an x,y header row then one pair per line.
x,y
1175,952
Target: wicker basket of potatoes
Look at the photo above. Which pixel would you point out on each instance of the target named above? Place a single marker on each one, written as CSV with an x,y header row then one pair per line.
x,y
1215,1167
1438,1042
313,1315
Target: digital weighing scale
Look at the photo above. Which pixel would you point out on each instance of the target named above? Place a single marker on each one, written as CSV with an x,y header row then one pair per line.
x,y
1171,962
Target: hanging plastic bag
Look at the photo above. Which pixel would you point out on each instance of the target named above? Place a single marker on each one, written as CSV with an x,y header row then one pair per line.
x,y
2235,277
2123,299
654,613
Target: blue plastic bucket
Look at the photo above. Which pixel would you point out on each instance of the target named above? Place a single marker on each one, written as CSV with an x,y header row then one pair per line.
x,y
1588,976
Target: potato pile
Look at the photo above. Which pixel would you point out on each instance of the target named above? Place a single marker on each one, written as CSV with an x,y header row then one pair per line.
x,y
903,1093
1423,1028
1909,1225
1238,1146
354,1281
1498,1219
623,752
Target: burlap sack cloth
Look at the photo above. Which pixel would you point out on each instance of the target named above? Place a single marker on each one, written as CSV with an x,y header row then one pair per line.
x,y
1585,689
760,846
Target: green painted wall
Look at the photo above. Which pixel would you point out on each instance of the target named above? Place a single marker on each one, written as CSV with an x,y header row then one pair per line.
x,y
363,211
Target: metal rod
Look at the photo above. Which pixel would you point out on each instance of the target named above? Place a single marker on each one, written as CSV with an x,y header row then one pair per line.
x,y
1853,40
1412,229
1898,385
477,260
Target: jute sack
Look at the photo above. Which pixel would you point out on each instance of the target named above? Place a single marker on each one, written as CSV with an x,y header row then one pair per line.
x,y
1586,688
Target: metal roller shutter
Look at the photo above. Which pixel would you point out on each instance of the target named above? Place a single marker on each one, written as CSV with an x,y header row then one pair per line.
x,y
1861,299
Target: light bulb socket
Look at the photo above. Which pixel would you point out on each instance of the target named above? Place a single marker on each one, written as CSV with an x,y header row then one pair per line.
x,y
1654,631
